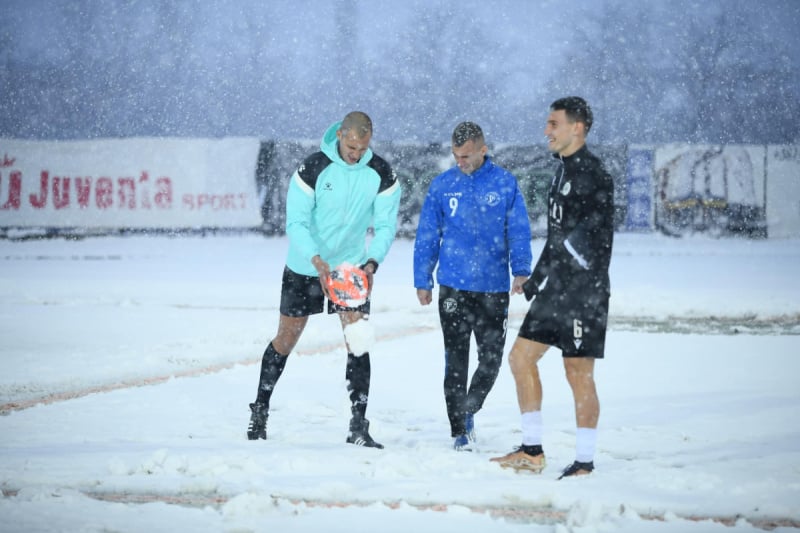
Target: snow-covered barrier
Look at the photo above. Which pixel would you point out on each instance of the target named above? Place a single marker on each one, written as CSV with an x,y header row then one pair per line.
x,y
783,190
710,189
134,183
105,186
751,190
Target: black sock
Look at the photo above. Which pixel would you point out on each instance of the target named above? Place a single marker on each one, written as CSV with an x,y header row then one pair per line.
x,y
357,375
532,449
272,364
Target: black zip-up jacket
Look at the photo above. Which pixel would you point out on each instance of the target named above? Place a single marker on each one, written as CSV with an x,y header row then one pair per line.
x,y
580,226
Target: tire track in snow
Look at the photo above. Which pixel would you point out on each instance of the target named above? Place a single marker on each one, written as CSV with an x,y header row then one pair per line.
x,y
62,396
732,325
532,514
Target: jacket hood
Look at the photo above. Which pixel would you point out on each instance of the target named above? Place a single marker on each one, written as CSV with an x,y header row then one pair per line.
x,y
330,147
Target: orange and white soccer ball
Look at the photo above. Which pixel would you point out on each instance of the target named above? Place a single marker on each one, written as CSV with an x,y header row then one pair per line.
x,y
348,286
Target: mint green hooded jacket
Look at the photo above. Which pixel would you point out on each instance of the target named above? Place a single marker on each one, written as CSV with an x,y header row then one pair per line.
x,y
331,205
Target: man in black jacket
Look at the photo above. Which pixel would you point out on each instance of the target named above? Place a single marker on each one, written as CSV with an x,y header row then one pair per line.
x,y
570,289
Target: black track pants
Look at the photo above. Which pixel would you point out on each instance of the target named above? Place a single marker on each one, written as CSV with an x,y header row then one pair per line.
x,y
462,314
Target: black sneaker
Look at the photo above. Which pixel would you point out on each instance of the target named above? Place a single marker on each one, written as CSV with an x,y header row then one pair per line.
x,y
359,434
258,422
577,469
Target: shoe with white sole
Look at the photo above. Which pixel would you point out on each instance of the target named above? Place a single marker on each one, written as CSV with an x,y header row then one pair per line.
x,y
524,458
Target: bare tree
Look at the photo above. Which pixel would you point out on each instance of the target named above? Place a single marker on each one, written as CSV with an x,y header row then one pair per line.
x,y
700,76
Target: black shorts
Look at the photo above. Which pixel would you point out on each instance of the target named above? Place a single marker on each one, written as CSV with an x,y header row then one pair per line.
x,y
575,324
302,296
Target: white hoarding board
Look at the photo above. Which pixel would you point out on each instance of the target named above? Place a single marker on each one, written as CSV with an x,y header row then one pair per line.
x,y
783,191
129,183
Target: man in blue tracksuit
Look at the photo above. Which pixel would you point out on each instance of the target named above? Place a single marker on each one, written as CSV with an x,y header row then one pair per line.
x,y
474,225
335,196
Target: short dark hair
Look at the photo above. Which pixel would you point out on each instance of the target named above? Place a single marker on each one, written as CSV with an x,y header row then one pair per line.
x,y
576,109
358,121
467,131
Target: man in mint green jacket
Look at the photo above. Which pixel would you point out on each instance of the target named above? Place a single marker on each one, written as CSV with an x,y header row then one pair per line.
x,y
335,196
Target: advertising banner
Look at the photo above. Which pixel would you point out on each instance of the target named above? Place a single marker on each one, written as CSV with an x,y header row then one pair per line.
x,y
783,191
711,189
639,215
136,183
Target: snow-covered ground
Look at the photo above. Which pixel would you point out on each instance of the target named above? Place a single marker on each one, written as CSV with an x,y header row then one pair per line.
x,y
127,363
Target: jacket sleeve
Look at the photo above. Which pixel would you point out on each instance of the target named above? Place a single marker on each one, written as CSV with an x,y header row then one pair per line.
x,y
578,245
427,242
542,269
385,209
584,241
519,235
300,201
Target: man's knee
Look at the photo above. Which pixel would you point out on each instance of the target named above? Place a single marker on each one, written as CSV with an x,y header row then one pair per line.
x,y
579,370
525,354
289,331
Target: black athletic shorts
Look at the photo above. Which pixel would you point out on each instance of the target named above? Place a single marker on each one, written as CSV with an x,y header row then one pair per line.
x,y
302,296
575,322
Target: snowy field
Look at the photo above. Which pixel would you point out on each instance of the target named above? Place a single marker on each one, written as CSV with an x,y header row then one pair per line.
x,y
127,363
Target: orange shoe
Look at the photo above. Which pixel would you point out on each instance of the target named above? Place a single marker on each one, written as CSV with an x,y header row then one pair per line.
x,y
523,459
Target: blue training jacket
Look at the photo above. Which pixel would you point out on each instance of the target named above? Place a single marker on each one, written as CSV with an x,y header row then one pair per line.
x,y
331,205
474,226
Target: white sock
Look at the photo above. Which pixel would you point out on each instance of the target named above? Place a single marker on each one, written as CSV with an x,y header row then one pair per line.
x,y
532,427
585,444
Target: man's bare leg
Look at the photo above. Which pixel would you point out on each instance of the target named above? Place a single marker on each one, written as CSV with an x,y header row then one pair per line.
x,y
523,359
580,375
289,330
272,364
